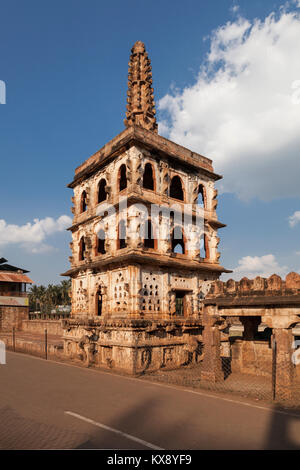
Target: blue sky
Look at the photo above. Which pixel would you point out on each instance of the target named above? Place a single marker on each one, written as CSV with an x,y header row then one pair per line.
x,y
65,68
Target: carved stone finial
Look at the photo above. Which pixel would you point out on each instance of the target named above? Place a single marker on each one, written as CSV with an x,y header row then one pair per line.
x,y
140,100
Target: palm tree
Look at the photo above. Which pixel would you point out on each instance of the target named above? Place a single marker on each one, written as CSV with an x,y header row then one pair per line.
x,y
65,288
33,297
47,298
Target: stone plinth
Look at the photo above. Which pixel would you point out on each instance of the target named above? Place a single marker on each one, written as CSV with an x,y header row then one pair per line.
x,y
133,346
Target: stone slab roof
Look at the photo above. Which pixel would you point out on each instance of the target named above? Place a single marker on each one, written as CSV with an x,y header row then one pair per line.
x,y
145,138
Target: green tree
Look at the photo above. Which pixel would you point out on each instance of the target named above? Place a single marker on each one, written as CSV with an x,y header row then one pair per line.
x,y
48,298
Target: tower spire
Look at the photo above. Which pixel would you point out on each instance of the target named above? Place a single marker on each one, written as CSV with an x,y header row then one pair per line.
x,y
140,99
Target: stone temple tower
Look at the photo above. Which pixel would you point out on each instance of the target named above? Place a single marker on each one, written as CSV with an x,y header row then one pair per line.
x,y
144,243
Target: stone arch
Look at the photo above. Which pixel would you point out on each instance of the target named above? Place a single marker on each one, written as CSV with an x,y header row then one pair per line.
x,y
101,191
204,246
201,196
100,242
122,177
149,177
99,297
83,202
176,188
178,241
82,249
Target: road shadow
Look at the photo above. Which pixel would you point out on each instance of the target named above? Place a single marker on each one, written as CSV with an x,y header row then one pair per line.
x,y
142,421
281,435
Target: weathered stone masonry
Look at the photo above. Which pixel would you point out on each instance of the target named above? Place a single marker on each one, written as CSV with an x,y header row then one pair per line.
x,y
137,299
271,302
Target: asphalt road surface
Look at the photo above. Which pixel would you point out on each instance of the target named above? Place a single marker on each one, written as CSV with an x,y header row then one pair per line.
x,y
49,405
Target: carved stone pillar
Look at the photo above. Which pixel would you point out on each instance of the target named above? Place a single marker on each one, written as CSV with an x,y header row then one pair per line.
x,y
193,242
215,255
132,231
189,305
172,297
164,178
283,366
110,301
212,363
135,287
104,300
164,235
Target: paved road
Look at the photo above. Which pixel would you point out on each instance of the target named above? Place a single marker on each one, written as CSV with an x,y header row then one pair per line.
x,y
48,405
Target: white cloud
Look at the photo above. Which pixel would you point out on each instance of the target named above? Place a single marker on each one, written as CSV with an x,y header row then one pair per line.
x,y
242,110
39,248
252,266
235,8
32,235
294,219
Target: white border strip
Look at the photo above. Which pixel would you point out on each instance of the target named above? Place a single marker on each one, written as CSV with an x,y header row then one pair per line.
x,y
116,431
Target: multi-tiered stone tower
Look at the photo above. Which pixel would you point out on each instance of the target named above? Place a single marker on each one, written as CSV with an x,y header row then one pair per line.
x,y
144,243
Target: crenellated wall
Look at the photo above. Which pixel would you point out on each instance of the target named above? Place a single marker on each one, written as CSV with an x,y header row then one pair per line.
x,y
271,286
273,302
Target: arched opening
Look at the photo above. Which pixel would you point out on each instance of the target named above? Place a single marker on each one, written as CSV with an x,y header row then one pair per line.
x,y
177,241
122,178
176,190
204,248
102,191
148,180
99,302
122,235
83,203
149,241
201,196
81,249
101,242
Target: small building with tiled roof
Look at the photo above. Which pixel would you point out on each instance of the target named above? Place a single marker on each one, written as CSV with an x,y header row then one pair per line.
x,y
14,302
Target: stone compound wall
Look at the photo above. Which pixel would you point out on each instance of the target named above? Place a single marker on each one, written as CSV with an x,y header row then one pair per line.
x,y
34,347
272,302
54,327
251,357
12,317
